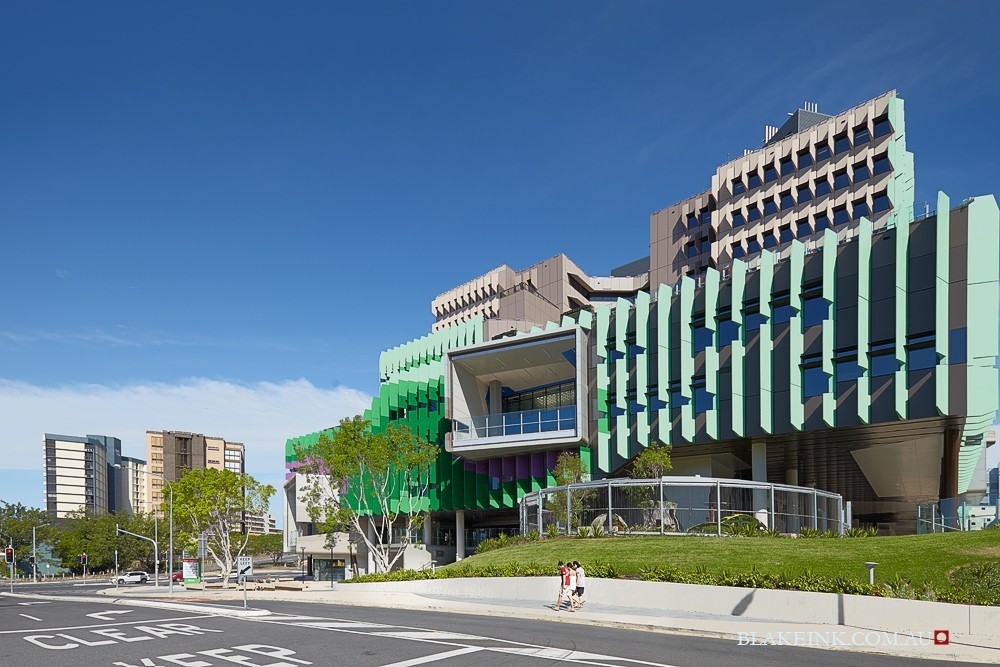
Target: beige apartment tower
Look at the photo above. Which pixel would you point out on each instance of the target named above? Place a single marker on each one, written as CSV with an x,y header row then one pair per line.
x,y
170,454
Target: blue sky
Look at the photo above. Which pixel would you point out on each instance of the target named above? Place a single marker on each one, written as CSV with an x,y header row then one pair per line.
x,y
213,206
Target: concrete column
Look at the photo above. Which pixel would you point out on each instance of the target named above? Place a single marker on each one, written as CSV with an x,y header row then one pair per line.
x,y
428,533
459,534
496,397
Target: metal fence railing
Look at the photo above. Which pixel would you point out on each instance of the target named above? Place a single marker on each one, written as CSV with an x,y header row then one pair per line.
x,y
700,505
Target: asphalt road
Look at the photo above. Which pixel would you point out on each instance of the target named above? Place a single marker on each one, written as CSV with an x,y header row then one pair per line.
x,y
41,632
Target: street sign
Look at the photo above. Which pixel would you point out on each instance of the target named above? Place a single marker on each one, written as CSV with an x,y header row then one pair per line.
x,y
244,566
202,545
191,570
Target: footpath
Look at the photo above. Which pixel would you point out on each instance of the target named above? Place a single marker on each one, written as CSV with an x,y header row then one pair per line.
x,y
750,617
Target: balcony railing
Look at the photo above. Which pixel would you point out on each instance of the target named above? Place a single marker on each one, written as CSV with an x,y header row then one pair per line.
x,y
524,422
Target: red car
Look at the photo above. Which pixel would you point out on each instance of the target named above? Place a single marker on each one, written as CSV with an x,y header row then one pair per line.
x,y
178,576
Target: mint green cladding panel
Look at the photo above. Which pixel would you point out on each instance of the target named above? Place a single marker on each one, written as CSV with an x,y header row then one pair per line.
x,y
712,280
687,357
643,418
737,362
663,295
622,315
864,242
942,268
830,297
602,331
765,341
982,334
796,339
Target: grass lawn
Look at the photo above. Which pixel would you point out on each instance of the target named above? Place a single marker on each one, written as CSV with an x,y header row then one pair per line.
x,y
918,558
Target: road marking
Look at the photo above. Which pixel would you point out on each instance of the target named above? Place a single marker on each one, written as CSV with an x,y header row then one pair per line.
x,y
104,625
104,615
28,604
425,634
34,618
435,657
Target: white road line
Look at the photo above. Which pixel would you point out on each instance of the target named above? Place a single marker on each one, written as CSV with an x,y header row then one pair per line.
x,y
336,625
34,618
435,657
426,634
28,604
105,625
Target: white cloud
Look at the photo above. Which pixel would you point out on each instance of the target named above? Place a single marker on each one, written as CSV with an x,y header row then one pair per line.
x,y
261,415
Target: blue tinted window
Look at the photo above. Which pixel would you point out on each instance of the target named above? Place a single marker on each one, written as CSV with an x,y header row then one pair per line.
x,y
883,363
753,180
770,208
738,219
841,144
782,314
957,346
880,203
703,401
921,358
860,209
840,216
706,217
882,127
861,173
770,174
676,400
786,200
882,165
822,222
822,187
787,166
861,136
815,309
753,246
785,234
703,337
692,220
738,251
634,407
739,187
656,404
805,159
814,381
804,193
728,332
847,371
706,245
841,180
802,228
753,214
753,321
822,152
770,241
692,250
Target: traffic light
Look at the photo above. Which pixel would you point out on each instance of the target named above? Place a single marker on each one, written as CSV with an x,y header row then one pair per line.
x,y
31,560
8,555
79,559
83,559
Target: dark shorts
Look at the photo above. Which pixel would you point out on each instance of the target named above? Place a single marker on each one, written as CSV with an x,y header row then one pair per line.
x,y
579,591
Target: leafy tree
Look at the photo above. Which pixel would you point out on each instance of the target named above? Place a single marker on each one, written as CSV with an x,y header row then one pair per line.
x,y
214,501
270,545
95,535
654,461
569,469
359,476
16,522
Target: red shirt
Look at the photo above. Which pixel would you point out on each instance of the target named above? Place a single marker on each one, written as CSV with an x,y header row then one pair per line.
x,y
564,572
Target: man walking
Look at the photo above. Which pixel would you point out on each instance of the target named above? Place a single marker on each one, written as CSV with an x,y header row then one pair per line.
x,y
581,581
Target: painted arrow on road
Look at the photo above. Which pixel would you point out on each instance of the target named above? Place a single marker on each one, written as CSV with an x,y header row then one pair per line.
x,y
103,615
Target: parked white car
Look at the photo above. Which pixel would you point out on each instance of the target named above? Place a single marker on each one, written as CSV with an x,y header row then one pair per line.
x,y
130,578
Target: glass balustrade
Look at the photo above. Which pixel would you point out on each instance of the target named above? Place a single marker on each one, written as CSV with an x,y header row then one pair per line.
x,y
516,423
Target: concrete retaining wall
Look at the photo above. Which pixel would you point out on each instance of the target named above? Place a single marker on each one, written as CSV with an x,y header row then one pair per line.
x,y
861,611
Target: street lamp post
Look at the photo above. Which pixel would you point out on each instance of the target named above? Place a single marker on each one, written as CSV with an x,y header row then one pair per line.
x,y
34,554
303,566
170,548
331,566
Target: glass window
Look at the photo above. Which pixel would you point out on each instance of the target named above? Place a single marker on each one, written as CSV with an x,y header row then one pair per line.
x,y
692,220
752,321
847,371
753,180
805,158
753,214
804,193
814,381
861,136
787,166
703,337
815,309
802,228
703,401
728,332
822,152
883,363
738,219
882,165
706,245
921,358
786,199
753,246
692,250
738,187
738,250
841,144
861,173
770,241
822,187
676,400
770,173
840,216
880,202
706,217
957,346
770,208
860,209
785,234
882,127
840,179
782,314
822,222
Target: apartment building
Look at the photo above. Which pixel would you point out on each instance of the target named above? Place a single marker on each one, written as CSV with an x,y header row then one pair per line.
x,y
260,524
172,453
131,486
78,476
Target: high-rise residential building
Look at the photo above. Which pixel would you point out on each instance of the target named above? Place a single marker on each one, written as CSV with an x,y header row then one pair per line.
x,y
78,475
799,322
259,524
131,486
172,453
